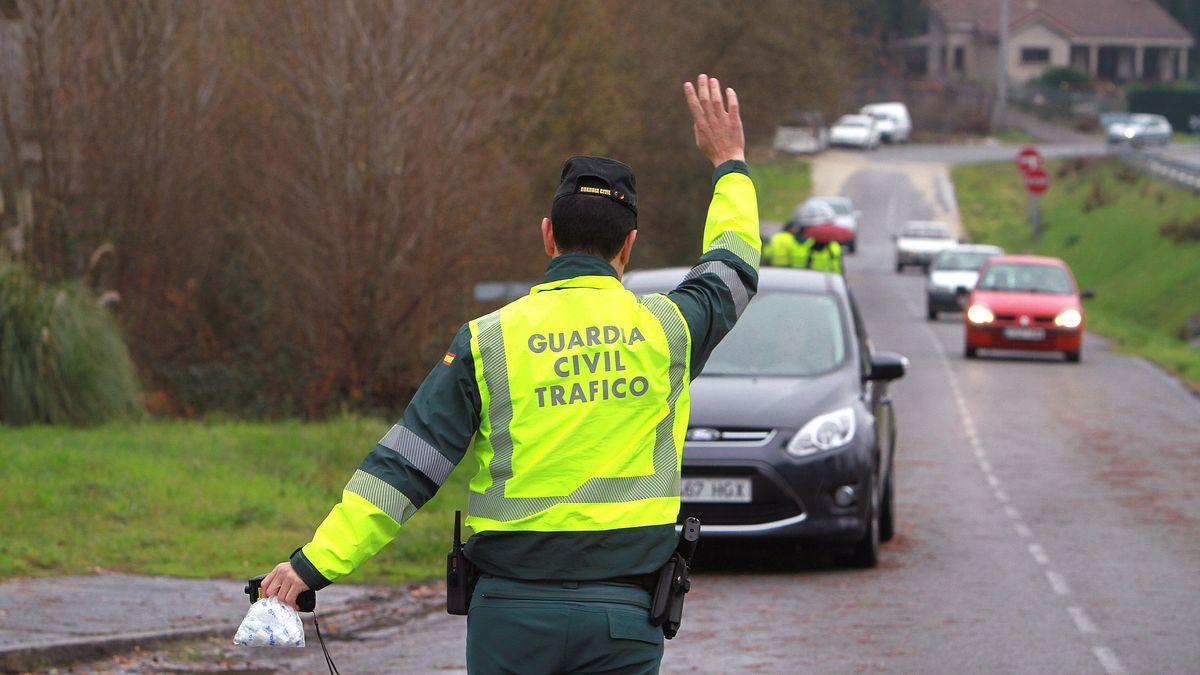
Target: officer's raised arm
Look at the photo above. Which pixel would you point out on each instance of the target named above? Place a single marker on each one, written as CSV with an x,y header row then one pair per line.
x,y
716,291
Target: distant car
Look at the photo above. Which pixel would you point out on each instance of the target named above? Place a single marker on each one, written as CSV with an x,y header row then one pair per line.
x,y
803,134
792,432
857,131
952,275
819,212
895,124
1139,130
919,241
1025,302
845,215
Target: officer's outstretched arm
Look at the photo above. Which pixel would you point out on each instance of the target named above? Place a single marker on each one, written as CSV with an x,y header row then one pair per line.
x,y
403,472
715,292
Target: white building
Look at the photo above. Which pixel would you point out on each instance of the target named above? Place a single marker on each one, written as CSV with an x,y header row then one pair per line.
x,y
1115,40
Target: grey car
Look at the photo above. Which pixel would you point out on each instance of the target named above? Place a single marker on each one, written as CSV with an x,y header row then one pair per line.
x,y
952,275
792,432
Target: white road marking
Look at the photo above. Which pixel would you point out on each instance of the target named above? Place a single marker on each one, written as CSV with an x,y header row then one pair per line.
x,y
1039,554
1108,660
1058,583
1001,496
1022,529
1012,512
985,465
992,480
1082,622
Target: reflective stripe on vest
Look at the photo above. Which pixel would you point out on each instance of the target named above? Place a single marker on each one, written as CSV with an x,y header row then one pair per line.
x,y
535,429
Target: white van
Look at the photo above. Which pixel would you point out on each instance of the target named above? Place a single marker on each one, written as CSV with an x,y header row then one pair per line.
x,y
893,120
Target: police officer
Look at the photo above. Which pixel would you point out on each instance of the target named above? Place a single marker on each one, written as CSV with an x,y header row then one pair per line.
x,y
574,402
816,255
781,246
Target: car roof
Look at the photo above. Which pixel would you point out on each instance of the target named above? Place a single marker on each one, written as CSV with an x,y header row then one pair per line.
x,y
975,248
769,279
854,116
1026,260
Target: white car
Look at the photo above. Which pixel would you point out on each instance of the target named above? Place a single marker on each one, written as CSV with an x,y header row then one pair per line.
x,y
844,215
857,131
952,277
919,242
893,120
1139,130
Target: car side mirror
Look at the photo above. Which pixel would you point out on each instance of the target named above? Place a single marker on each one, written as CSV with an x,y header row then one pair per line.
x,y
887,366
1087,294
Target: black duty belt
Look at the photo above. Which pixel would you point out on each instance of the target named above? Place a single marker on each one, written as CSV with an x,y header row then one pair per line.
x,y
644,581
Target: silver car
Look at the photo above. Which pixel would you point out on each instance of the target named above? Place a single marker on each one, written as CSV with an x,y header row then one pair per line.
x,y
1139,130
919,242
952,275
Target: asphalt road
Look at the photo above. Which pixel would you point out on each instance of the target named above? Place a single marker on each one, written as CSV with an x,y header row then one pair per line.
x,y
1048,520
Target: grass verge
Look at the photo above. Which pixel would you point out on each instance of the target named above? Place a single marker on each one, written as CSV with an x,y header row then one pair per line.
x,y
1107,222
194,499
782,184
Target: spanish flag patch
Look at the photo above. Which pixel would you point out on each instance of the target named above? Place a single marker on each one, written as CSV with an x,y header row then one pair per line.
x,y
448,359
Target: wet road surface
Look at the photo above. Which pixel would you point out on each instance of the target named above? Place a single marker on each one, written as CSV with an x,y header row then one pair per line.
x,y
1048,520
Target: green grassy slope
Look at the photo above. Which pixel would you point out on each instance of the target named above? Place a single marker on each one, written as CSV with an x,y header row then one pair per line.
x,y
194,499
781,185
1104,220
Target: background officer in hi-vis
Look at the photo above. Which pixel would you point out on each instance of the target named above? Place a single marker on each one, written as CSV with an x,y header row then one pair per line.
x,y
574,401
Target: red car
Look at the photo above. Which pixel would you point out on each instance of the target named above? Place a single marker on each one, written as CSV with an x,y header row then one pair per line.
x,y
1025,302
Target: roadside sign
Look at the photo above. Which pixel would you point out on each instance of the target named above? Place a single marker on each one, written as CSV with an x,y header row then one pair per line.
x,y
1036,181
1029,159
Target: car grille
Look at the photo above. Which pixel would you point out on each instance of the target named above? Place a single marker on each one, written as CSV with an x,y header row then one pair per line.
x,y
1039,320
770,503
718,436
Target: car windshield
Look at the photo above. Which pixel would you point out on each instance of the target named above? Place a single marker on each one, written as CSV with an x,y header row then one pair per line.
x,y
783,333
851,122
925,232
1027,277
960,261
840,207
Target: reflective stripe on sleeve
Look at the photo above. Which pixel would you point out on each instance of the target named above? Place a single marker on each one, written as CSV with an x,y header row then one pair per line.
x,y
420,454
728,275
381,495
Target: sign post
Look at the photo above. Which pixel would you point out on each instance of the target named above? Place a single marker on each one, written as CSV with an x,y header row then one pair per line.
x,y
1031,164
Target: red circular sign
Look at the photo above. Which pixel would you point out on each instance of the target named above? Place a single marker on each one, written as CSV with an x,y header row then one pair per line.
x,y
1029,159
1036,181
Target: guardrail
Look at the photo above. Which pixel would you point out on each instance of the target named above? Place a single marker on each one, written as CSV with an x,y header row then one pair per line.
x,y
1183,174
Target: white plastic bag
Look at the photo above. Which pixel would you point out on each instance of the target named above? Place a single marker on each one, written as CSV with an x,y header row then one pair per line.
x,y
270,623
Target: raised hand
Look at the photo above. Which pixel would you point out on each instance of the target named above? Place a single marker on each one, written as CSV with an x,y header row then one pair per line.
x,y
718,128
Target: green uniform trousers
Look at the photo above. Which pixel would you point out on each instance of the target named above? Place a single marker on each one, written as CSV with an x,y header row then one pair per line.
x,y
536,627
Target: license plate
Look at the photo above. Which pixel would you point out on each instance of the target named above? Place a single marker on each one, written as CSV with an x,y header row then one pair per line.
x,y
709,490
1025,333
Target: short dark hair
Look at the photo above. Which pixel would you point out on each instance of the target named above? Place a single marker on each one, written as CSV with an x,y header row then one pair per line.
x,y
592,224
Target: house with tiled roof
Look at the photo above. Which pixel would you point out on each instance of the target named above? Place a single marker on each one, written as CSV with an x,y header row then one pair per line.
x,y
1115,40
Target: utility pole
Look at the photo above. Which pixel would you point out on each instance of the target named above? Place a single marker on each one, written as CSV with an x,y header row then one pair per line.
x,y
1000,112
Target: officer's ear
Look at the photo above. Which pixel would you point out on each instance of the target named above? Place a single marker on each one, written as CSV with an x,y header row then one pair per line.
x,y
548,237
627,248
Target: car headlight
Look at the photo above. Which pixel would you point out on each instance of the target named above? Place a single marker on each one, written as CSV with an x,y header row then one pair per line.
x,y
824,432
1129,133
980,314
1068,318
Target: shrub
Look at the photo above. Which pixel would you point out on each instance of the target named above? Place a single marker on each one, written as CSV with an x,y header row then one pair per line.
x,y
1064,76
62,358
1176,102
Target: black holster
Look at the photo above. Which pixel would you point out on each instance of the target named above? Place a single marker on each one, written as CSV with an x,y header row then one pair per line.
x,y
461,574
674,581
